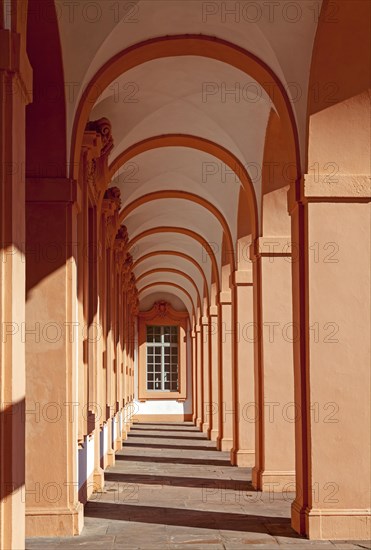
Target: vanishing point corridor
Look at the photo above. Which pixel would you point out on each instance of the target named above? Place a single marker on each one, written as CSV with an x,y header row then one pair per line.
x,y
185,305
171,488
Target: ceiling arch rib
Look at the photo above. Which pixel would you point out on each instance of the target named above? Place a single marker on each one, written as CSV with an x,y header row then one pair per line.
x,y
174,253
175,243
184,231
176,279
194,142
180,168
184,195
200,96
184,45
170,270
172,262
181,214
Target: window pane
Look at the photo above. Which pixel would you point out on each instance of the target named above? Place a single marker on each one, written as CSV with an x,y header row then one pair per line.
x,y
162,358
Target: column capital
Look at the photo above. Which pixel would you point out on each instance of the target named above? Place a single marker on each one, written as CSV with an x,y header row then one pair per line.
x,y
242,278
120,243
204,320
225,297
111,201
213,311
103,128
271,246
329,187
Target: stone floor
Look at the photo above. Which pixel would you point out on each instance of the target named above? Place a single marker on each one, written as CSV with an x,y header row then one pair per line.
x,y
170,488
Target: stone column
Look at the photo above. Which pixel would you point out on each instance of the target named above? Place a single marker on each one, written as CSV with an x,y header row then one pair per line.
x,y
110,208
86,266
243,453
215,404
52,506
206,349
275,446
332,362
133,312
194,376
227,336
97,144
126,281
199,377
120,256
15,94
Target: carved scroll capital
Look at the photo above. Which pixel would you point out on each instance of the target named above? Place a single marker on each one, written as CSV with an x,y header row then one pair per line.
x,y
102,127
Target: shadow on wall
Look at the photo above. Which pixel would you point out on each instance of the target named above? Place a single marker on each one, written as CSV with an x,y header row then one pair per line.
x,y
12,433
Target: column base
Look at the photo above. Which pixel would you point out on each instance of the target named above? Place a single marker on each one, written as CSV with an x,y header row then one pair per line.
x,y
206,428
98,480
126,429
273,481
242,458
110,458
199,423
331,524
61,522
118,445
224,444
214,434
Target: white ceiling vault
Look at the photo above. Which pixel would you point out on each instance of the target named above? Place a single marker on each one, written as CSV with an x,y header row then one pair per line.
x,y
189,95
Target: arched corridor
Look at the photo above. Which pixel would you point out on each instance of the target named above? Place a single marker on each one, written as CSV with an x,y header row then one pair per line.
x,y
185,253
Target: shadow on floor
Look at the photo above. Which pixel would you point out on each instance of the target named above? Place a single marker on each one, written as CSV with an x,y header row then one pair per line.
x,y
175,447
191,518
136,429
175,460
195,482
163,436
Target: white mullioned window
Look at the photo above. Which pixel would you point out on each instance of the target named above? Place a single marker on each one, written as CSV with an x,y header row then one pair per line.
x,y
162,358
